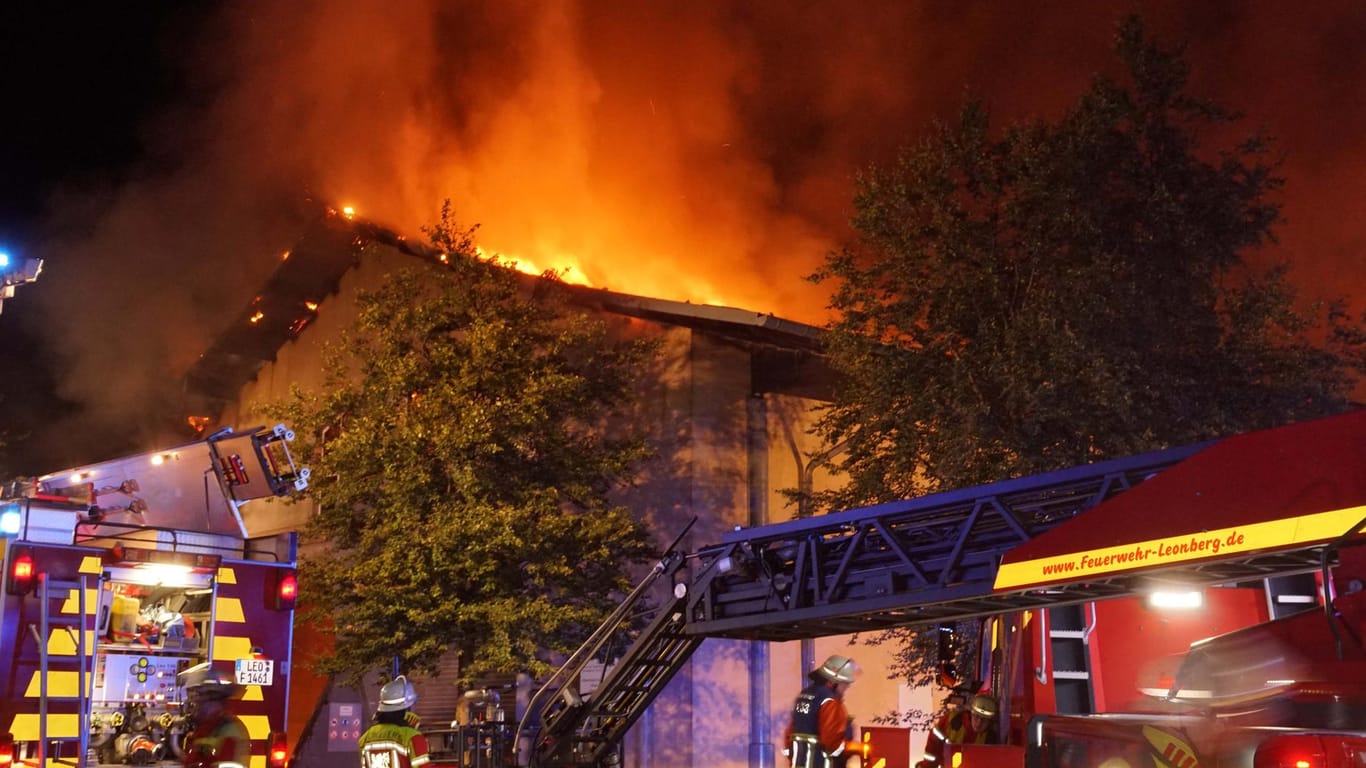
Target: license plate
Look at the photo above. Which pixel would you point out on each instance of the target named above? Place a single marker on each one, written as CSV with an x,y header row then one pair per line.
x,y
255,671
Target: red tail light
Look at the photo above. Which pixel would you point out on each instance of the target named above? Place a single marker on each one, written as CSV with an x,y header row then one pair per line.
x,y
286,590
279,750
1292,750
6,750
20,573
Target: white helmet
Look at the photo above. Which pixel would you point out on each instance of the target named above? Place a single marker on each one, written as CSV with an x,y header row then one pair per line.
x,y
206,681
397,695
839,669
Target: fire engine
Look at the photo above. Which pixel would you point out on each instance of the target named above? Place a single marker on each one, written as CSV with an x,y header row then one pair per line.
x,y
121,575
1057,569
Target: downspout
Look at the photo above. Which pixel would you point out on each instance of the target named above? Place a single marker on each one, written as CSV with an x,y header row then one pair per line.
x,y
805,487
756,447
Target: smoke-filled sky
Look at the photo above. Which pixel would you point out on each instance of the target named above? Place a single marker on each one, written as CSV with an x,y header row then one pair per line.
x,y
160,158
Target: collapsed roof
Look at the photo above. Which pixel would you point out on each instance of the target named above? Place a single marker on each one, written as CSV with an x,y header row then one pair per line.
x,y
786,354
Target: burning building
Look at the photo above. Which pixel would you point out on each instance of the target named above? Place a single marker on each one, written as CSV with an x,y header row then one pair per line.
x,y
729,415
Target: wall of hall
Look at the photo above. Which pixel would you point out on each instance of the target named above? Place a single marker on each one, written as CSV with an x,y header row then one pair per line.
x,y
723,455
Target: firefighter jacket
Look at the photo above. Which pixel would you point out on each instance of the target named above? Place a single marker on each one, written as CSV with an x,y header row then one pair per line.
x,y
386,745
816,734
220,741
952,728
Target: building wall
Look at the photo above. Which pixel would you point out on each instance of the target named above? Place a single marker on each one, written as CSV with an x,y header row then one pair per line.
x,y
723,454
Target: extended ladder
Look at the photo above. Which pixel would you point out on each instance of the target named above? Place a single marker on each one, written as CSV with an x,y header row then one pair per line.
x,y
915,562
586,731
579,731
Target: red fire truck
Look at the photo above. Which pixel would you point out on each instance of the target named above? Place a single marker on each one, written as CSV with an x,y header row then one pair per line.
x,y
1059,570
119,576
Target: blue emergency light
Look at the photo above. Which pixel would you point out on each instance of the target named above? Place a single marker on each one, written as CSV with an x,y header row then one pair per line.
x,y
15,272
11,519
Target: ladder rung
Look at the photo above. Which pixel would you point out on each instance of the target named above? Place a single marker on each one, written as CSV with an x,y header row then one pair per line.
x,y
65,620
1067,634
1070,674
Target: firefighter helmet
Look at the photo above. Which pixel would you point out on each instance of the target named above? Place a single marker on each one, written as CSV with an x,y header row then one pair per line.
x,y
204,681
397,695
983,706
839,669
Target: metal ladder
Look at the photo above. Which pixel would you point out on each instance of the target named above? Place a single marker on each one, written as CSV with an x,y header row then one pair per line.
x,y
49,590
584,733
1069,634
922,561
1288,595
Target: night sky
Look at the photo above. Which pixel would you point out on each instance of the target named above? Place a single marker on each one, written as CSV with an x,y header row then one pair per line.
x,y
78,86
160,156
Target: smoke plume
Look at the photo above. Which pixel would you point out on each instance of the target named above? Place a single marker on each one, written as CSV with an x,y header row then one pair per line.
x,y
699,151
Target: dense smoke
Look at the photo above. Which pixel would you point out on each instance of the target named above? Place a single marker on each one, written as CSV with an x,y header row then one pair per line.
x,y
698,151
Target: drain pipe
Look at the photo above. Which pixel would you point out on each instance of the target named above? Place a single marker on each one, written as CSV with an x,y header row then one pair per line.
x,y
805,487
760,660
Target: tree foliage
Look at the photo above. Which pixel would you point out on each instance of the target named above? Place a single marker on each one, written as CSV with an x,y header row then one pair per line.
x,y
1064,292
462,464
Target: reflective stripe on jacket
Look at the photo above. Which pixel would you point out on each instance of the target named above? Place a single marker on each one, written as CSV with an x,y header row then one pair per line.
x,y
222,742
819,720
393,746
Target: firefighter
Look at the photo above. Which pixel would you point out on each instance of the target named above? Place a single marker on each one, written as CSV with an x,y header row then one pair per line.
x,y
971,724
219,739
394,740
954,705
816,735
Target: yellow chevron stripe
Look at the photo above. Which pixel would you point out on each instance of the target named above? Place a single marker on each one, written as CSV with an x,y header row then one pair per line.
x,y
231,648
92,564
25,726
229,609
252,693
72,606
227,575
60,642
258,726
63,684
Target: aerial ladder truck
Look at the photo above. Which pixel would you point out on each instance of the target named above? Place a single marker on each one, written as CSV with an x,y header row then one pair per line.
x,y
1277,515
123,574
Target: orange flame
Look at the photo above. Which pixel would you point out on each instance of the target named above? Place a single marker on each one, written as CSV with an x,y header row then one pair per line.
x,y
566,266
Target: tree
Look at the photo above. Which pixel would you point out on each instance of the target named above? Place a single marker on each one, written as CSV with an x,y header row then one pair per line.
x,y
1066,292
463,486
